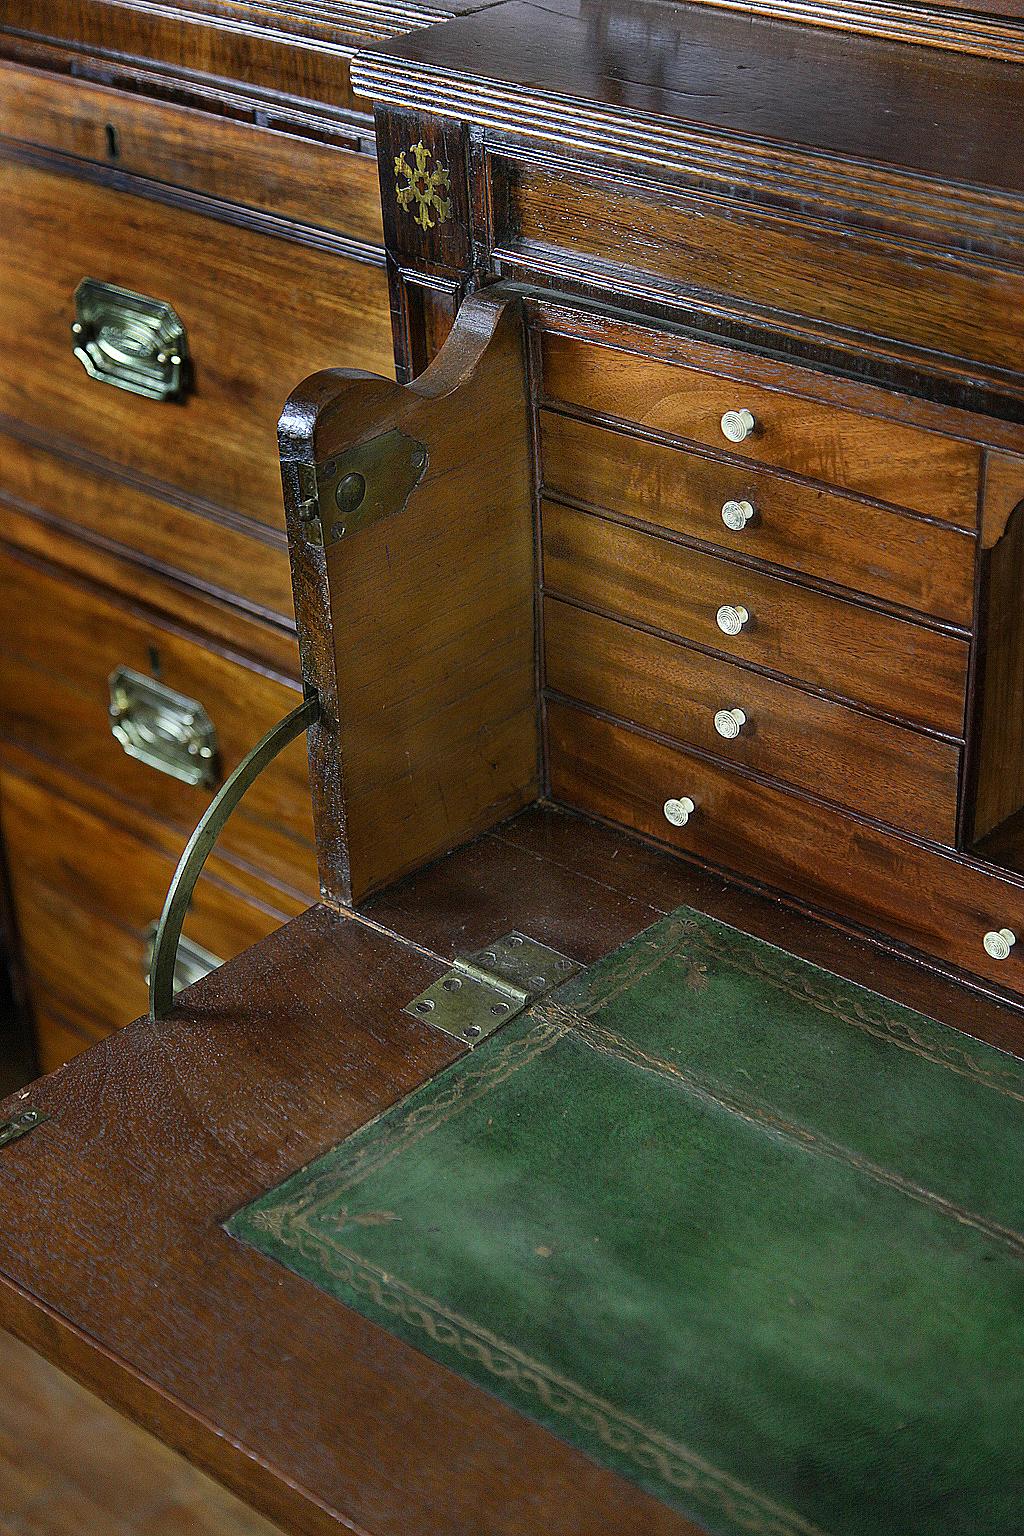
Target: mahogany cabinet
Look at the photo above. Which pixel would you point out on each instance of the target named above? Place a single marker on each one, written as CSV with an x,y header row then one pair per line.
x,y
678,562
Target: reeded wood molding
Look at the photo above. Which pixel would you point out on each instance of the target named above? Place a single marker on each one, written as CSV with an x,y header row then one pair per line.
x,y
989,37
325,20
847,190
327,24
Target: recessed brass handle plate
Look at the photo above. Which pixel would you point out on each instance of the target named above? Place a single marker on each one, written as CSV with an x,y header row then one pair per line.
x,y
130,341
167,730
191,963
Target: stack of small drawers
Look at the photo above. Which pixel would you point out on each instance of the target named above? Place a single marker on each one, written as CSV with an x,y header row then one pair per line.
x,y
758,630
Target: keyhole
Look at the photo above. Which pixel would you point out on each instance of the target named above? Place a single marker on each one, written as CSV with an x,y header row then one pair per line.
x,y
113,142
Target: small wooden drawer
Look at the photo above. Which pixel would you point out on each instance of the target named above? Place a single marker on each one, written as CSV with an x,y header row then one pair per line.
x,y
934,902
889,555
905,466
884,771
88,881
890,664
258,312
55,700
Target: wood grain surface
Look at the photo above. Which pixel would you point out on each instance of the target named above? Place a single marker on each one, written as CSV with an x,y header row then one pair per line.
x,y
55,701
851,543
260,312
324,185
934,902
934,475
882,770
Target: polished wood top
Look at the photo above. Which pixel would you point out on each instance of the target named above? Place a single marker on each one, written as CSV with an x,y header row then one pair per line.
x,y
573,74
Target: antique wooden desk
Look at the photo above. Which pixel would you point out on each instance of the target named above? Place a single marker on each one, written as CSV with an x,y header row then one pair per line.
x,y
687,574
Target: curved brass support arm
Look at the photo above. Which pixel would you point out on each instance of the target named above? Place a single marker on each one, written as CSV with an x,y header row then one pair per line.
x,y
201,844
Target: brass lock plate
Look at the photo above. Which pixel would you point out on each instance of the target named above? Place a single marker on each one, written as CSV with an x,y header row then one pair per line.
x,y
486,989
361,486
129,340
162,728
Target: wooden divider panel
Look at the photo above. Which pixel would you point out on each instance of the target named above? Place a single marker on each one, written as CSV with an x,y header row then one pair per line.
x,y
418,628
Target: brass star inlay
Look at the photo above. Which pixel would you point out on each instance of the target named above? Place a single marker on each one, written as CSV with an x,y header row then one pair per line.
x,y
420,191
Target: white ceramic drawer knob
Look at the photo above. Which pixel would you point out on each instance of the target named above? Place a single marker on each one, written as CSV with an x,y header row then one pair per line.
x,y
731,620
737,514
729,723
737,425
998,944
678,812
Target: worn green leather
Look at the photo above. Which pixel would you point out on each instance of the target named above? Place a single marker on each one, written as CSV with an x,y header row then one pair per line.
x,y
747,1233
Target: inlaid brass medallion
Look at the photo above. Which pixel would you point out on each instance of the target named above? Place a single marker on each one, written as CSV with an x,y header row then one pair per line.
x,y
420,191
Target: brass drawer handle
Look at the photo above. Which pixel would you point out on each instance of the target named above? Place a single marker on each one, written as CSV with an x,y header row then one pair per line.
x,y
128,340
191,963
167,730
201,844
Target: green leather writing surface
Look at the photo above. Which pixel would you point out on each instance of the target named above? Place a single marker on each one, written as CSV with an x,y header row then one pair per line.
x,y
746,1233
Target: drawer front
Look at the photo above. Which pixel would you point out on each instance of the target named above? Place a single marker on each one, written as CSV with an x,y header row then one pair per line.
x,y
55,700
882,770
889,664
906,466
248,563
770,268
259,314
925,899
86,889
323,184
900,559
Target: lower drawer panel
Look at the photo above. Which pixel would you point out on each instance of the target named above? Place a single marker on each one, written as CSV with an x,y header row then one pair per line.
x,y
86,887
924,898
54,701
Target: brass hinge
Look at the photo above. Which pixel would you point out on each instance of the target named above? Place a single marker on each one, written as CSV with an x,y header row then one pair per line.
x,y
486,989
20,1125
364,484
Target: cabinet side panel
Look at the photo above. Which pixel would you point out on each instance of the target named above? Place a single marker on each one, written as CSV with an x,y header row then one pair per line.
x,y
432,612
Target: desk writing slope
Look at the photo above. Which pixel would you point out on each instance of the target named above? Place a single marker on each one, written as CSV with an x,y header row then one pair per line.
x,y
737,1228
